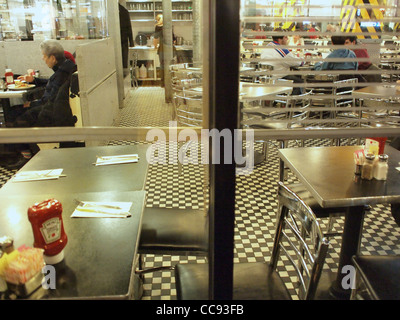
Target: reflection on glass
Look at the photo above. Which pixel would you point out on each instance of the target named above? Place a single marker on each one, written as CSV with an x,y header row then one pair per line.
x,y
52,19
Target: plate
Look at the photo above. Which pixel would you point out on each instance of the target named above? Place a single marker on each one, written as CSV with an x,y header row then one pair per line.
x,y
12,87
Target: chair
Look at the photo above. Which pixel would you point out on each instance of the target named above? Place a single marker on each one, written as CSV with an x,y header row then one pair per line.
x,y
377,277
132,61
343,90
188,108
173,232
298,237
320,212
187,94
320,92
74,102
295,109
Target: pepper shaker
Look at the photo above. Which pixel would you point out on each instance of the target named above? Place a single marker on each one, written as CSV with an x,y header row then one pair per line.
x,y
367,168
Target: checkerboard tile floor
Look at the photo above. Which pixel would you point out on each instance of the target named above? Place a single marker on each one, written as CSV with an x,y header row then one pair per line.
x,y
256,208
256,205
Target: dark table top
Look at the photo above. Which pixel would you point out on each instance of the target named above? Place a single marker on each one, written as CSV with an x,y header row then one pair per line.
x,y
328,173
100,253
81,174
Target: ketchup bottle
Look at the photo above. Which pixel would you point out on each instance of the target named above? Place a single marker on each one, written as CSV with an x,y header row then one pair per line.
x,y
9,76
48,229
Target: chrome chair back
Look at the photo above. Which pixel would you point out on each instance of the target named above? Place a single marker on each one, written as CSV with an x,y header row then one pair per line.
x,y
187,94
132,60
300,238
343,90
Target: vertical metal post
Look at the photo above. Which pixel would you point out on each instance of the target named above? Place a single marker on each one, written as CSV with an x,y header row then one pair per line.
x,y
223,103
197,43
114,31
168,47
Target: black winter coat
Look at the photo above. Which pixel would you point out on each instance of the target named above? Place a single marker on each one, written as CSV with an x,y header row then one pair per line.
x,y
62,72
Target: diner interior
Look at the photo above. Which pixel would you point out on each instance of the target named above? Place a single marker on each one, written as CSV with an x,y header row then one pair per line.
x,y
284,194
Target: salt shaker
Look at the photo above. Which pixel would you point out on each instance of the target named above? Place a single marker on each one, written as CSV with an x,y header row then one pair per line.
x,y
367,169
381,167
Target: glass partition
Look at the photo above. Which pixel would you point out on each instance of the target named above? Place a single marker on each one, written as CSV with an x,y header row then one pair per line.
x,y
53,19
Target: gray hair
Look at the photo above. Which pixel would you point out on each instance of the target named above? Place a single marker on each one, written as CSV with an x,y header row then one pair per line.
x,y
53,48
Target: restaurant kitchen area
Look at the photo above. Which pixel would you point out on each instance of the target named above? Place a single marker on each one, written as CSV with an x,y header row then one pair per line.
x,y
182,211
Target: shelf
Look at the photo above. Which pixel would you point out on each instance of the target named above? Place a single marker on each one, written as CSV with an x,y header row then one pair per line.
x,y
139,8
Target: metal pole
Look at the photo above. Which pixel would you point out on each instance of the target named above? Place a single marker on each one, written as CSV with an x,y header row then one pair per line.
x,y
223,103
197,43
168,47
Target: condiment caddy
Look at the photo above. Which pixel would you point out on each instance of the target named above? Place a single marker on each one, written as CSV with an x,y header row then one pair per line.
x,y
371,166
21,270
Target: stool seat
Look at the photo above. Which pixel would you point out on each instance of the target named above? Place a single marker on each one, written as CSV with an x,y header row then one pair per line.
x,y
251,281
381,275
168,230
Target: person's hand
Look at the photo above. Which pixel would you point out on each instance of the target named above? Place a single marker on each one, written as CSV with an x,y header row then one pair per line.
x,y
27,78
27,104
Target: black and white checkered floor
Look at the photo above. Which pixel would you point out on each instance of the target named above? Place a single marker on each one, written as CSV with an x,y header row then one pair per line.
x,y
256,204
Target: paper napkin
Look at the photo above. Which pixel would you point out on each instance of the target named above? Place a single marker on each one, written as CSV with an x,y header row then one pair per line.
x,y
125,158
37,175
90,209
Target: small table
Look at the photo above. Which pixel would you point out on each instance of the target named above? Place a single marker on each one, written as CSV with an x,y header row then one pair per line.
x,y
328,174
5,97
81,174
100,254
252,92
373,92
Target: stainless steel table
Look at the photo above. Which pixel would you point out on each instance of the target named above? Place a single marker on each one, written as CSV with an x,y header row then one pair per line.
x,y
373,92
252,92
81,174
328,173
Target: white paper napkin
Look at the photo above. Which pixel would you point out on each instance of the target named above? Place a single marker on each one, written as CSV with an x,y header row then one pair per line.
x,y
90,209
125,158
37,175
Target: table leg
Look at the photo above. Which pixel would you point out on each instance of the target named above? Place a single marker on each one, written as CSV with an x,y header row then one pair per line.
x,y
5,104
351,240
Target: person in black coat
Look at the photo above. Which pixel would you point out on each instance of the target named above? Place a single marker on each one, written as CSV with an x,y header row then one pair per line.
x,y
44,111
126,34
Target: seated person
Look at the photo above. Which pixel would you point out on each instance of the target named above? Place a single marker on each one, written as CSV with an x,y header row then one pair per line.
x,y
364,65
342,53
338,53
282,59
40,113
